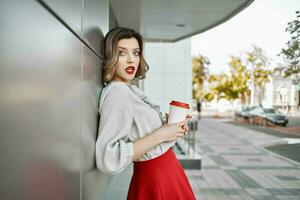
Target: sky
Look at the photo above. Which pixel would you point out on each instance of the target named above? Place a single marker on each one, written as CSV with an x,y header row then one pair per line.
x,y
263,24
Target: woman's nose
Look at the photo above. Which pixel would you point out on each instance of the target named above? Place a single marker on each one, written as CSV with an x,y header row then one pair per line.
x,y
130,58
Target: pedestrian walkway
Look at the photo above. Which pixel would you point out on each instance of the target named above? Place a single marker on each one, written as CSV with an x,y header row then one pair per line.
x,y
235,165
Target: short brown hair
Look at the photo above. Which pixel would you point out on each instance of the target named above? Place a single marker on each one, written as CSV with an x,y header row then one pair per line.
x,y
111,53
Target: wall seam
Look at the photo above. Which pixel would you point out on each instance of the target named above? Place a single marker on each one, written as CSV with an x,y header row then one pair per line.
x,y
81,99
42,3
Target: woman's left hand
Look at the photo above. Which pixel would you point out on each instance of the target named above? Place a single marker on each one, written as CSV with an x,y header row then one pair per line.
x,y
188,117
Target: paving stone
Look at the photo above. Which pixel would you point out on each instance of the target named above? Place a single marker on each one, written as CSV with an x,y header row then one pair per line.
x,y
219,160
237,167
287,197
288,178
243,180
206,149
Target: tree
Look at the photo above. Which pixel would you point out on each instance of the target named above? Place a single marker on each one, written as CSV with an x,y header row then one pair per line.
x,y
240,76
260,72
222,86
208,96
291,53
233,85
200,71
214,81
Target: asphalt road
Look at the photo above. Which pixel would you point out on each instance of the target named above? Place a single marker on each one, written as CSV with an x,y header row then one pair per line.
x,y
291,131
291,151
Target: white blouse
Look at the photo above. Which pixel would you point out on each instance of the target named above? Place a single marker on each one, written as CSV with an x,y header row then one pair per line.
x,y
126,114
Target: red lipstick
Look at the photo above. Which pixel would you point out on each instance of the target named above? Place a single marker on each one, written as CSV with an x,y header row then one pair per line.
x,y
130,70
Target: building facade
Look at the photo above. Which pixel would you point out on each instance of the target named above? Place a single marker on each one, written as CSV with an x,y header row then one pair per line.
x,y
285,94
50,81
170,74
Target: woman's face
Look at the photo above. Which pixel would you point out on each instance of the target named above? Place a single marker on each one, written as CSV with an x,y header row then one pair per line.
x,y
129,60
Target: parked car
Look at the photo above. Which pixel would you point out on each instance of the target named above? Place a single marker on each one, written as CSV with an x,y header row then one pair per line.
x,y
244,112
264,116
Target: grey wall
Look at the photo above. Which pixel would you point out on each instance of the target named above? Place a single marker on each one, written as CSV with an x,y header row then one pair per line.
x,y
49,79
168,78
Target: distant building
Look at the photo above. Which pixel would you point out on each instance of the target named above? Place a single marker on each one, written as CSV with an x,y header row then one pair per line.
x,y
285,94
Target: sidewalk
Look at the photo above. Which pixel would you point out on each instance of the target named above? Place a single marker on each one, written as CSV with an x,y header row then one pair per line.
x,y
235,165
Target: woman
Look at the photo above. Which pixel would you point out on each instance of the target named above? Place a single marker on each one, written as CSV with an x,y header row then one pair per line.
x,y
131,127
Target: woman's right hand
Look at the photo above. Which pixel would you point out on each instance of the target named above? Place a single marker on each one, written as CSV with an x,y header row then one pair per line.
x,y
170,132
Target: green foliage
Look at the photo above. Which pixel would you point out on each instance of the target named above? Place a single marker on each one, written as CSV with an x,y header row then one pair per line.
x,y
240,78
208,96
291,53
260,71
200,72
234,85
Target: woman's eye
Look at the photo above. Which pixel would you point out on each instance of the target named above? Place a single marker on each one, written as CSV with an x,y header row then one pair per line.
x,y
137,53
122,53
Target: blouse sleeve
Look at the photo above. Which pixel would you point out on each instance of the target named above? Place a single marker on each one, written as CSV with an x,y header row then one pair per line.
x,y
113,153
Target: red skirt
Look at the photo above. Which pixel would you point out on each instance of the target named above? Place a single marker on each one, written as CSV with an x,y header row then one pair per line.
x,y
161,178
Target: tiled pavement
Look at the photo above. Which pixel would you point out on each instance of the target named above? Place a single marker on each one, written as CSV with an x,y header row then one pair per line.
x,y
235,165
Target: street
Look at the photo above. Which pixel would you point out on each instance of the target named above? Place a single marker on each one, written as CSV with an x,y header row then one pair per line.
x,y
235,164
291,131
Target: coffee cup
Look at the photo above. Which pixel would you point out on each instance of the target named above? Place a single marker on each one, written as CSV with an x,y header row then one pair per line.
x,y
178,111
